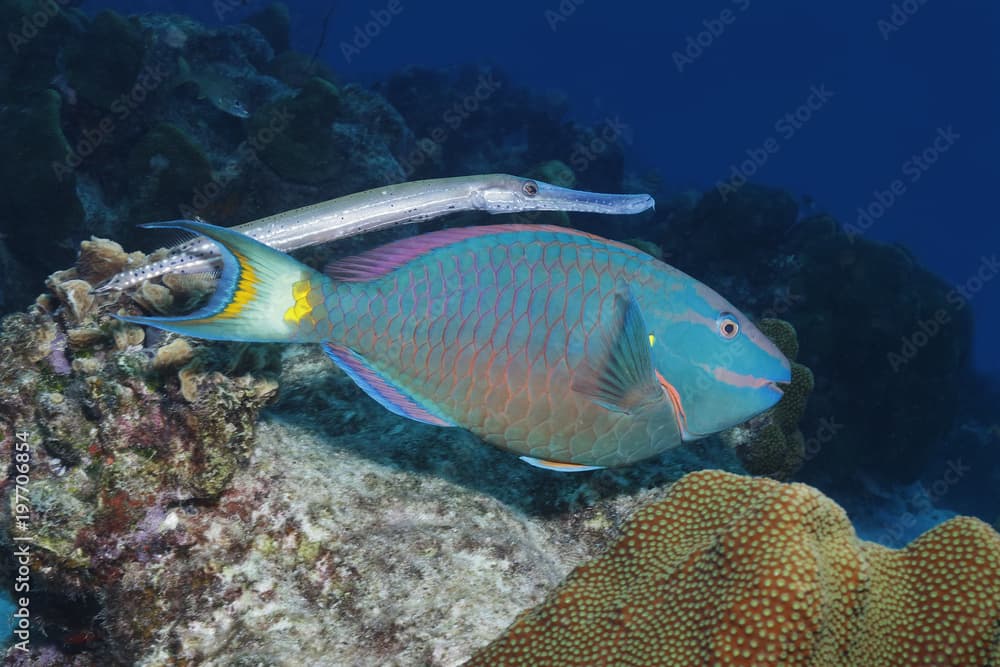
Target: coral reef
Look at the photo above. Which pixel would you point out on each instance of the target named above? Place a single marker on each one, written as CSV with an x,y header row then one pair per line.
x,y
730,570
872,378
772,443
106,60
29,55
165,168
41,186
274,22
123,426
305,151
476,120
173,523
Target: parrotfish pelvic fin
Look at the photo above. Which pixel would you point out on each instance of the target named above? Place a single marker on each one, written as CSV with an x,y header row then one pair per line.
x,y
556,466
622,377
262,294
375,384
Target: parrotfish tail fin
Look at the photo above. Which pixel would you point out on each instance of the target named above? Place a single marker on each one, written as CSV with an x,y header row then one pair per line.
x,y
263,295
622,377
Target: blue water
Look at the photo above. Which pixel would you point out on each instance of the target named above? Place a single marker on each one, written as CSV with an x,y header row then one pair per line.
x,y
894,80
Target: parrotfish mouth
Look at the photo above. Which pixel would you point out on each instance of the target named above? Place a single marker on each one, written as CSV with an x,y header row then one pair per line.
x,y
678,404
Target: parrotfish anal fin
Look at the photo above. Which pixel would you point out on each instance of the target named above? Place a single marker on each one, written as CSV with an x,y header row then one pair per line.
x,y
391,397
621,376
556,466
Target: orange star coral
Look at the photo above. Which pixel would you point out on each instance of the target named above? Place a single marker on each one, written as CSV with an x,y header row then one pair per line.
x,y
737,572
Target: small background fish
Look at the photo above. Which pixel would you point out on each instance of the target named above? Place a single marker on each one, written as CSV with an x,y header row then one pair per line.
x,y
222,90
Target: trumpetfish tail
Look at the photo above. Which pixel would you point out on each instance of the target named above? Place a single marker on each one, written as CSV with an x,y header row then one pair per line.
x,y
263,295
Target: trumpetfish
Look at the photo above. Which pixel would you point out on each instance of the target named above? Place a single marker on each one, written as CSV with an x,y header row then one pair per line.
x,y
382,207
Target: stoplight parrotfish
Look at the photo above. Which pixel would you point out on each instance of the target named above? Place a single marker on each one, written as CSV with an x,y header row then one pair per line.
x,y
570,350
386,206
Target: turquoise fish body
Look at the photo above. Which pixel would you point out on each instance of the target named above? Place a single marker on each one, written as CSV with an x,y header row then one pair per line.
x,y
570,350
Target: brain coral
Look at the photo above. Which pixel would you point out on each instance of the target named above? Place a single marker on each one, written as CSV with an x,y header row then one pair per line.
x,y
739,571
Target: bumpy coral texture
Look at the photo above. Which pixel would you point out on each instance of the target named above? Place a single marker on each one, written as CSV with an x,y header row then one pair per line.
x,y
776,447
738,571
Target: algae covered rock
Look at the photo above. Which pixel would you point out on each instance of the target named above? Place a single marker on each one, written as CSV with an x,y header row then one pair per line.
x,y
275,23
112,438
105,62
43,181
166,169
34,31
890,344
304,151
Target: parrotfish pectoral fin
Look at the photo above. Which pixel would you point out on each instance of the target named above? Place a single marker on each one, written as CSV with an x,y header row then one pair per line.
x,y
556,466
388,394
262,294
622,377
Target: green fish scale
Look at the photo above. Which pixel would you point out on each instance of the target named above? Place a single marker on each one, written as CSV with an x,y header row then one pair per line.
x,y
491,332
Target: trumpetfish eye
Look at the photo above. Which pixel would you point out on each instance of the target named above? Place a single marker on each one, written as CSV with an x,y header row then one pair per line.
x,y
530,188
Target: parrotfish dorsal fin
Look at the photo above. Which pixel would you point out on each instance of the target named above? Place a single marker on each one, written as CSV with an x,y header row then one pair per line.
x,y
376,385
385,259
557,466
621,378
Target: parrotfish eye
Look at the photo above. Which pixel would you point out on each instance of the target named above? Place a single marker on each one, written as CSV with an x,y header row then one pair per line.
x,y
728,326
530,188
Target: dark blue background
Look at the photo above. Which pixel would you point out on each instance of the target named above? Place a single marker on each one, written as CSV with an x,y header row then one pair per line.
x,y
890,95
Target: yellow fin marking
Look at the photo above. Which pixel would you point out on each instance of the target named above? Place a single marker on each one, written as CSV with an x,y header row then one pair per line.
x,y
302,307
652,339
245,289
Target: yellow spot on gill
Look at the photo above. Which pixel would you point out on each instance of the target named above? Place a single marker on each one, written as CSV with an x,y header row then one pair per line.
x,y
652,339
246,288
302,307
